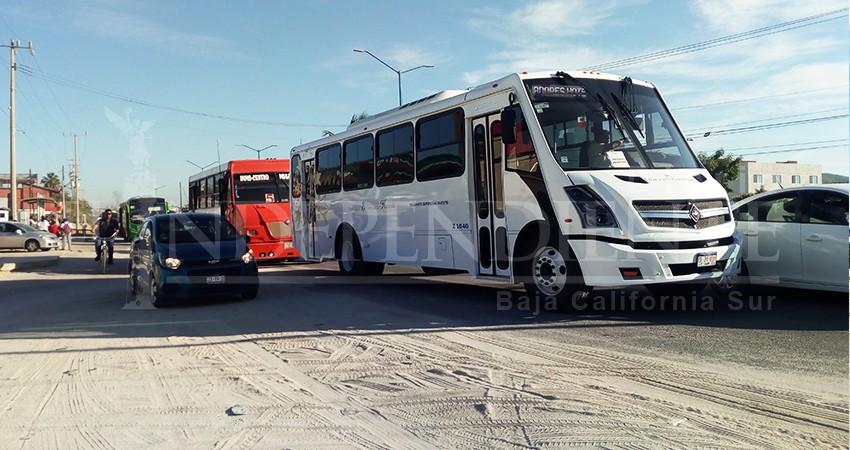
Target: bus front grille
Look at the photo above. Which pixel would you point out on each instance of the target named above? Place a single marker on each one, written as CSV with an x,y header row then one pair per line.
x,y
693,214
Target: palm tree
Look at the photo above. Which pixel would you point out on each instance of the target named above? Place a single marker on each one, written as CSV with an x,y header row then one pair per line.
x,y
354,118
51,181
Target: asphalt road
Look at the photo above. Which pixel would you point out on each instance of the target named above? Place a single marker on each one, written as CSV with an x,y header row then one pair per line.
x,y
427,361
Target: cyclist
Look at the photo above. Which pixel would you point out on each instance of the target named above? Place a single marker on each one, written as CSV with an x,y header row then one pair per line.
x,y
105,228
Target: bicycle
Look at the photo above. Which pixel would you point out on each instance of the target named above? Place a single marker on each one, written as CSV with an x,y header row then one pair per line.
x,y
104,252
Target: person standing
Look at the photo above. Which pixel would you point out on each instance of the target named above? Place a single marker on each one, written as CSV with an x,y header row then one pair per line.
x,y
53,228
43,224
66,234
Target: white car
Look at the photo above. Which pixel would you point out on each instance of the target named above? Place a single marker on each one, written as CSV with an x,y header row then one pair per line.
x,y
22,236
793,237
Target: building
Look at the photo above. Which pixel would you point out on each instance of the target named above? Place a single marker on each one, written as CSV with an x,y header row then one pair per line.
x,y
32,199
754,175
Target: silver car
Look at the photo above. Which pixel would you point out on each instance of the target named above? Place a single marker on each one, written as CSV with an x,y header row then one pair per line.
x,y
794,237
20,235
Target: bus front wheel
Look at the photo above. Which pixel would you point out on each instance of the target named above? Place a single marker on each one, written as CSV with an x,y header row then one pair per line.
x,y
350,257
551,273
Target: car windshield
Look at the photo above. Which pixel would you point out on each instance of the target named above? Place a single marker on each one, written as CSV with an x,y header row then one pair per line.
x,y
141,208
193,229
592,124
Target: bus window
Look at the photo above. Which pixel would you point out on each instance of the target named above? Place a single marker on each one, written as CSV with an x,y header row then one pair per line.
x,y
440,153
520,153
358,170
328,169
394,161
295,164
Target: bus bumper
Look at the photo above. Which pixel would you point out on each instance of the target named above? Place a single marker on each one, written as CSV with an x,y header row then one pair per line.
x,y
606,264
274,250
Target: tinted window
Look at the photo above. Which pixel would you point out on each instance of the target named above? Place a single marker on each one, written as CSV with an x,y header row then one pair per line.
x,y
295,165
328,169
440,151
828,207
186,229
775,208
358,172
394,162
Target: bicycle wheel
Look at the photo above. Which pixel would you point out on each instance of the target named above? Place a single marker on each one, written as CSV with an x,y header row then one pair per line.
x,y
104,252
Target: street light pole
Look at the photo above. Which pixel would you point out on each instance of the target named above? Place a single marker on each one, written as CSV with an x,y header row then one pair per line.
x,y
156,189
254,149
199,167
398,72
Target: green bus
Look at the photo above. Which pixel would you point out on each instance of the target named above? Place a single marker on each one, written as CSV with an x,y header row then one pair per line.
x,y
134,211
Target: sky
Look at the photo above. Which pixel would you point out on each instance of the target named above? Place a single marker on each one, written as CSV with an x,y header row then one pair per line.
x,y
155,90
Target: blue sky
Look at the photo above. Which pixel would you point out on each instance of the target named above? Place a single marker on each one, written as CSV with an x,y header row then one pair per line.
x,y
161,82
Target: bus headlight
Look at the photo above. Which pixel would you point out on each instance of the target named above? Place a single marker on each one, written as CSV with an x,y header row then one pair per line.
x,y
171,263
594,213
248,256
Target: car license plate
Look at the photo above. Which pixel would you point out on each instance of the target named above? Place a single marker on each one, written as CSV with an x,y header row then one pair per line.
x,y
707,259
215,279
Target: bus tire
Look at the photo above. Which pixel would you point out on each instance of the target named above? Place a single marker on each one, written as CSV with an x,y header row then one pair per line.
x,y
548,271
349,254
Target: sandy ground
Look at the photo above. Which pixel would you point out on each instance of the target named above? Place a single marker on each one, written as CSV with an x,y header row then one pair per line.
x,y
86,367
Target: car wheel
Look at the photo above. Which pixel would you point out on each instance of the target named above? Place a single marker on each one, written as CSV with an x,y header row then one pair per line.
x,y
726,284
32,245
548,273
251,293
135,289
351,257
156,297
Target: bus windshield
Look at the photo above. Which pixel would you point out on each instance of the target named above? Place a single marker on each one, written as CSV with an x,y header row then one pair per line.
x,y
593,124
264,187
141,208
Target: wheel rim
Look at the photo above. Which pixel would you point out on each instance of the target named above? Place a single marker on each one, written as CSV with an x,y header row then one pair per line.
x,y
549,271
727,282
32,246
346,256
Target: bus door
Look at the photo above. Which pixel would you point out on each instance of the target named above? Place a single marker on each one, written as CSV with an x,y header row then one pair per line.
x,y
492,232
308,181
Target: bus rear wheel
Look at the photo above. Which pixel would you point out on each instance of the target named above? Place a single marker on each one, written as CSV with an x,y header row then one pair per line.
x,y
551,273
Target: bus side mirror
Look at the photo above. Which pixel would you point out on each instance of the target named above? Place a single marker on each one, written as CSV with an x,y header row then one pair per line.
x,y
508,126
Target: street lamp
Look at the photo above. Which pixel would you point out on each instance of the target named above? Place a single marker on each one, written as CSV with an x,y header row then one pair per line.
x,y
156,189
199,167
254,149
398,72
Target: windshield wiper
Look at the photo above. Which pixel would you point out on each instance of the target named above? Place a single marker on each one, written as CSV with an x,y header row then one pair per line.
x,y
625,112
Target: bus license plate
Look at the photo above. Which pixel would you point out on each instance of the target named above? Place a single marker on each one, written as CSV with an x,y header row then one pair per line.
x,y
707,259
215,279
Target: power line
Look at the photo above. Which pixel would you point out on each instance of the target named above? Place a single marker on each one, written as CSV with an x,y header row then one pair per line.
x,y
830,141
701,130
773,125
786,94
731,39
793,150
72,84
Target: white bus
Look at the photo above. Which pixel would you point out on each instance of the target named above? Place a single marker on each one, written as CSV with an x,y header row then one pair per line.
x,y
562,181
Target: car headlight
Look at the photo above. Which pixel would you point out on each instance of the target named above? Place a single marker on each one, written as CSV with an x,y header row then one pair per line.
x,y
248,256
171,263
594,213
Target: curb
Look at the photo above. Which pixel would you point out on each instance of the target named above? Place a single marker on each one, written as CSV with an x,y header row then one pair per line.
x,y
29,265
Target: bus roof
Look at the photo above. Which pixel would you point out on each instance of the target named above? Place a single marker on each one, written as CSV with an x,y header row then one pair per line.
x,y
448,99
245,165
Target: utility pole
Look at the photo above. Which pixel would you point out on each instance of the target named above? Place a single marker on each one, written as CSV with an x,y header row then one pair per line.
x,y
76,179
13,201
64,204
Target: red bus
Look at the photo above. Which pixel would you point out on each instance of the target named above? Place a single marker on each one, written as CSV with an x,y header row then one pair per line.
x,y
253,194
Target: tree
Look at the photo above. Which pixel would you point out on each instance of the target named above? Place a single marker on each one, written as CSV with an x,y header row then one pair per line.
x,y
51,181
723,168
